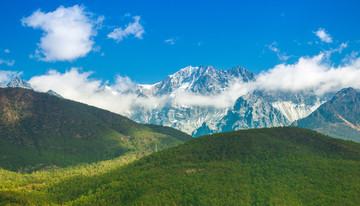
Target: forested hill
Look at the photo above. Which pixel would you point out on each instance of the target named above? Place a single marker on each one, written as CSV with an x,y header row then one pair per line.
x,y
40,130
277,166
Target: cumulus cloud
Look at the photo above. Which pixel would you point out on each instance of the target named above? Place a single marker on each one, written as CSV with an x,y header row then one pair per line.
x,y
323,35
7,76
67,33
79,86
312,74
7,51
134,28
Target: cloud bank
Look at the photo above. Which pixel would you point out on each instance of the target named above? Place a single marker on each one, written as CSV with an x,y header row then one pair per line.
x,y
314,75
323,35
67,33
134,28
79,86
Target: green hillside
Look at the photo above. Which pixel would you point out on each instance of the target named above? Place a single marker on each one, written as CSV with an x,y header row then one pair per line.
x,y
38,130
339,117
277,166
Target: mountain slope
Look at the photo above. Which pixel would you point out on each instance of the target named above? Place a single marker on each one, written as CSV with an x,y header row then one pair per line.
x,y
203,80
262,109
17,82
339,117
277,166
39,130
251,111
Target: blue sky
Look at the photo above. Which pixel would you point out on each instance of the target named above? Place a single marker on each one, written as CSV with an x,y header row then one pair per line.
x,y
257,35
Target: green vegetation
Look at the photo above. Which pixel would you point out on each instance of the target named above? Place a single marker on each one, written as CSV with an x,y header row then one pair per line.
x,y
38,131
277,166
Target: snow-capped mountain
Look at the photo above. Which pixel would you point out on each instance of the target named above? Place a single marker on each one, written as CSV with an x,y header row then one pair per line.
x,y
203,100
251,110
190,80
52,92
204,80
17,82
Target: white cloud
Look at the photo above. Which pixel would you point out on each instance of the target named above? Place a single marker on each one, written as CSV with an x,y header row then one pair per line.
x,y
7,51
274,48
7,62
323,35
315,75
312,74
79,86
68,33
134,28
170,41
7,76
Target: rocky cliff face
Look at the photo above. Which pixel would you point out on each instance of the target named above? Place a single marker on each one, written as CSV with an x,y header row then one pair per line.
x,y
339,117
252,110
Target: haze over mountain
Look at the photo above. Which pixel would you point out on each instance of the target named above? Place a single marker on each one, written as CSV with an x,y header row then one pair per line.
x,y
339,117
38,130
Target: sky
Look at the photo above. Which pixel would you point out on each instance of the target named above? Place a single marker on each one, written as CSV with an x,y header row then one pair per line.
x,y
98,52
149,40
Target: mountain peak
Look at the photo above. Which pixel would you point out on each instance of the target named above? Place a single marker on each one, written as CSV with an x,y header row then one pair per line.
x,y
2,86
241,72
17,82
339,117
52,92
346,92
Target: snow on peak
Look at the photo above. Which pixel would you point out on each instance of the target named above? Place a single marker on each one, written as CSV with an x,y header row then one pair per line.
x,y
52,92
17,82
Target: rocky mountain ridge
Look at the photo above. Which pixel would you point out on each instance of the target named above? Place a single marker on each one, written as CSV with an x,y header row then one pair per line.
x,y
339,117
191,100
251,110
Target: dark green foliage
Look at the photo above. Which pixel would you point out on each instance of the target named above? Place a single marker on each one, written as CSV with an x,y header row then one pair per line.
x,y
339,117
171,132
39,130
277,166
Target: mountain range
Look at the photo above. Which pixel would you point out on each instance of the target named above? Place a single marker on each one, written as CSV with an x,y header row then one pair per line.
x,y
250,109
68,153
254,109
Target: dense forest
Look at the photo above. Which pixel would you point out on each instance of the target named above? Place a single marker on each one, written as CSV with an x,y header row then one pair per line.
x,y
277,166
39,130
